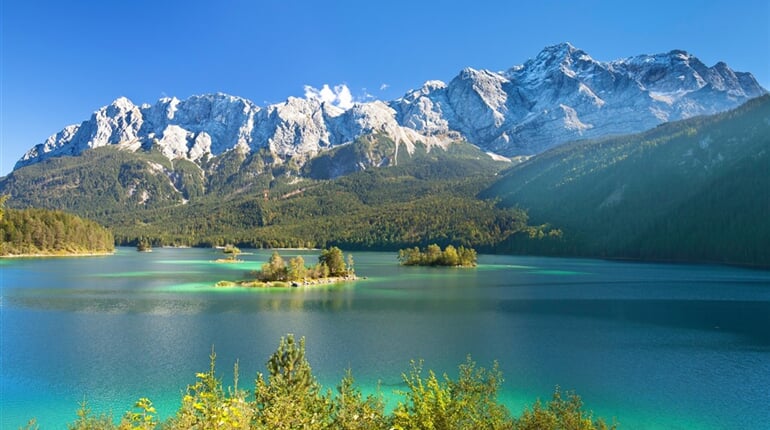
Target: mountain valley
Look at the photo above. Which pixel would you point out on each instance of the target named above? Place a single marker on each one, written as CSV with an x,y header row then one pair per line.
x,y
468,162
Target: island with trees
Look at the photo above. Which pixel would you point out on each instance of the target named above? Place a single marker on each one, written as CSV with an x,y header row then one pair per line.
x,y
144,245
231,254
433,255
44,232
331,268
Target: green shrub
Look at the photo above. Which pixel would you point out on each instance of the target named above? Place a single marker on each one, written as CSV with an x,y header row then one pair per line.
x,y
289,397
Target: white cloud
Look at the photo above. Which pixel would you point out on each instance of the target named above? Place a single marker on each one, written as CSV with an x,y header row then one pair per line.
x,y
384,87
340,96
344,98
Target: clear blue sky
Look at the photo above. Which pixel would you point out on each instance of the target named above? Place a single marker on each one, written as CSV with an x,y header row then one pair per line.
x,y
62,60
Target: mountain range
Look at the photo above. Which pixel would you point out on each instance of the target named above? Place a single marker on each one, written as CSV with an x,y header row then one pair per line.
x,y
561,95
650,157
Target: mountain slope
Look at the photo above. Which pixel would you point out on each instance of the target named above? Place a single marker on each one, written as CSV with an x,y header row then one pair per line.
x,y
217,168
204,127
110,179
690,190
563,94
104,180
560,95
426,197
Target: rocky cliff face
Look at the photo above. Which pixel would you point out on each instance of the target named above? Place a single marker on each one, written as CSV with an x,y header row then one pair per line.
x,y
207,126
562,94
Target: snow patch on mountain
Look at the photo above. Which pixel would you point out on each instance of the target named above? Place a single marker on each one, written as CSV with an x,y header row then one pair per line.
x,y
559,95
571,120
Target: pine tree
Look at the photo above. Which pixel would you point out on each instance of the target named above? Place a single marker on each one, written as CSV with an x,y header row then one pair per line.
x,y
291,398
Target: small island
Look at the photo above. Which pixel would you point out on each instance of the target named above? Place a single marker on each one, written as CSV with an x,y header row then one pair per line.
x,y
232,252
331,268
144,245
433,255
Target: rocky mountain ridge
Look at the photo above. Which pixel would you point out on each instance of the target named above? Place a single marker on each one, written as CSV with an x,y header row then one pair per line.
x,y
206,126
560,95
563,94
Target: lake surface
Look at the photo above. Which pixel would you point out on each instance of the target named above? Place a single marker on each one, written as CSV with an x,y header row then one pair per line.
x,y
656,346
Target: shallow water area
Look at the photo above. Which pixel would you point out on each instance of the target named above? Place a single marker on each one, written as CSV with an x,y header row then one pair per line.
x,y
654,345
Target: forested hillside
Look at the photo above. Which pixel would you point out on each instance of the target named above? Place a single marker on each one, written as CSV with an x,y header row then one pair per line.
x,y
696,190
48,232
418,198
387,208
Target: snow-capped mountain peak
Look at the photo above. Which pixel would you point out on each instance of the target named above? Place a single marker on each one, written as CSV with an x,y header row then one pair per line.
x,y
559,95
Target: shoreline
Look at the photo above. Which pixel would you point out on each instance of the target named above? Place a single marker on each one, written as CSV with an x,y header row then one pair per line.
x,y
228,261
287,284
62,255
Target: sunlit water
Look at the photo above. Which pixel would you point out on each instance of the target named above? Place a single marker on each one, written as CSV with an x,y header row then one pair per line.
x,y
656,346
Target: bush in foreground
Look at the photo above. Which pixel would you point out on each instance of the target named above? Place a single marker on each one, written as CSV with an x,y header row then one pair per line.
x,y
289,397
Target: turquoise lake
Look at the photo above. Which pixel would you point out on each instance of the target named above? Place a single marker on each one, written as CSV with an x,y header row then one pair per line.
x,y
656,346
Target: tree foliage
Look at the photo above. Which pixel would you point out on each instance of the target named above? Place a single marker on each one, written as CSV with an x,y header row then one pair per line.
x,y
143,245
87,421
334,260
693,190
231,250
442,403
331,263
433,255
296,270
207,405
3,199
274,269
352,411
243,199
563,412
289,397
42,231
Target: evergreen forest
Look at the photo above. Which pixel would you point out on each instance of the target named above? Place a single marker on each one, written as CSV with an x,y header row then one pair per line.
x,y
693,190
49,232
428,197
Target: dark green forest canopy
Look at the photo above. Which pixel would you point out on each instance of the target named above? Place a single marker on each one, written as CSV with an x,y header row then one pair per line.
x,y
694,190
47,232
428,197
386,213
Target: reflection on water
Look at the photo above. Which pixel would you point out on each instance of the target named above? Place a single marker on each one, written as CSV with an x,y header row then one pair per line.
x,y
632,339
326,298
